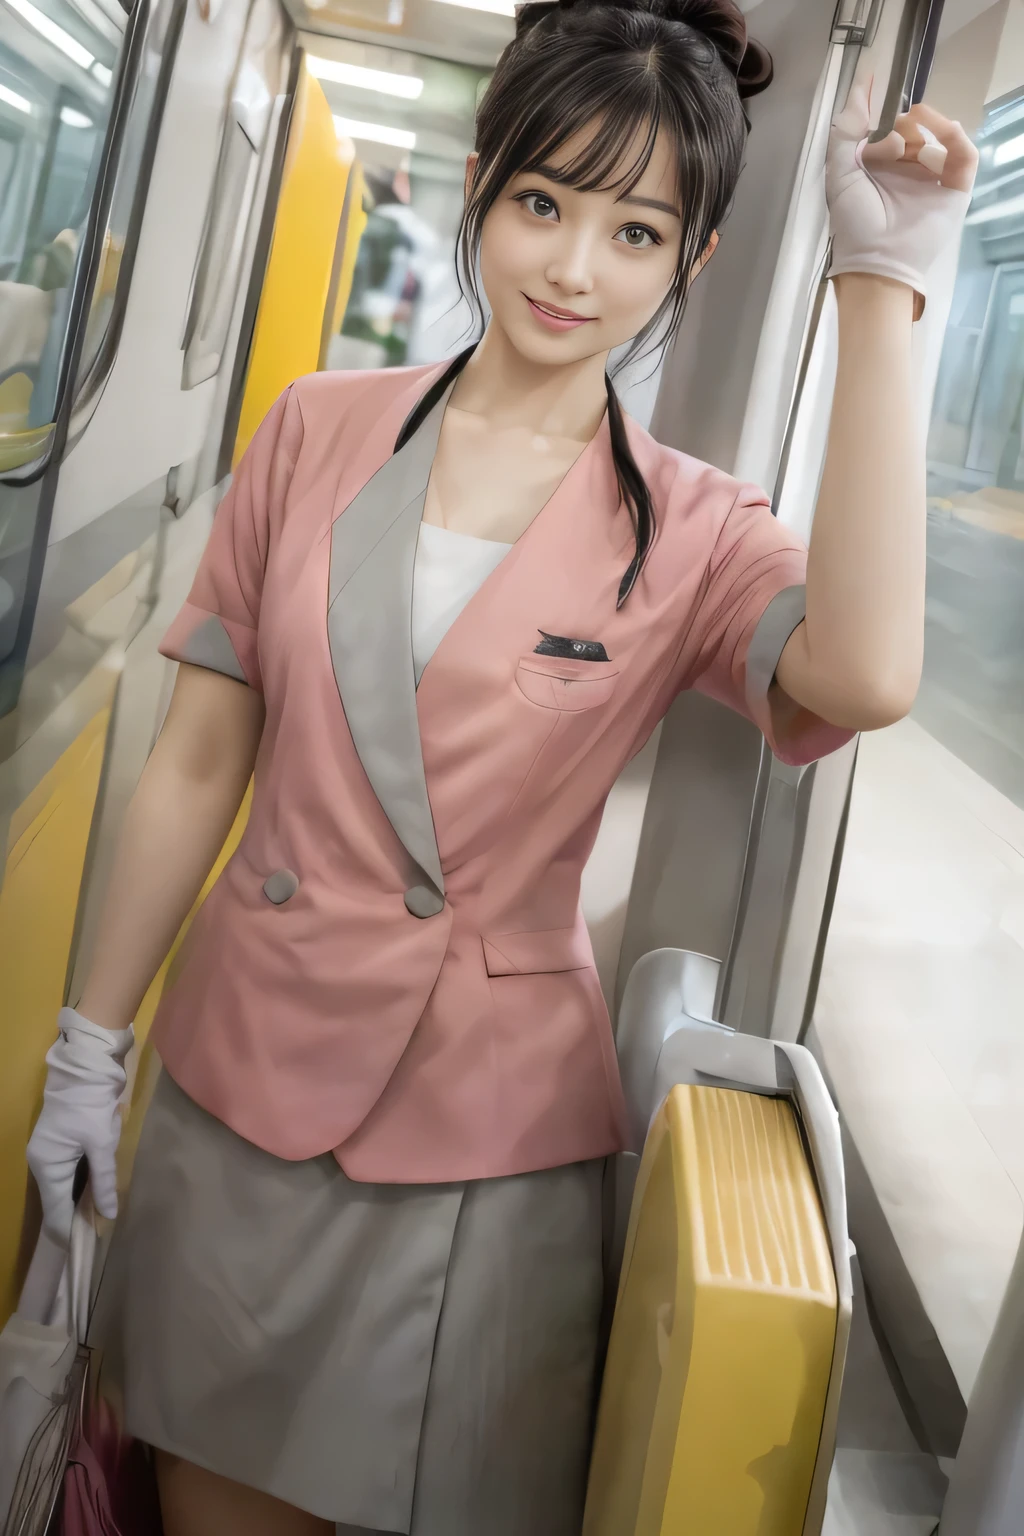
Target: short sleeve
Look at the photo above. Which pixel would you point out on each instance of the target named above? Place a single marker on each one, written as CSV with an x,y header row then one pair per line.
x,y
218,625
753,602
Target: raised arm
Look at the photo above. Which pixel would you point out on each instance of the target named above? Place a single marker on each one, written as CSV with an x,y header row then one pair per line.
x,y
856,660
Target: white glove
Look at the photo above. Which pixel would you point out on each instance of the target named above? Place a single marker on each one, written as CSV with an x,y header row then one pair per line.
x,y
85,1080
897,204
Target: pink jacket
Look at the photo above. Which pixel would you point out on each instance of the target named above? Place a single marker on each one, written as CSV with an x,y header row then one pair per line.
x,y
394,965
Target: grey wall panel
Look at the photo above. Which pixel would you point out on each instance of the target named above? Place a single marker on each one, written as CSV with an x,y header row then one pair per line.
x,y
703,400
690,860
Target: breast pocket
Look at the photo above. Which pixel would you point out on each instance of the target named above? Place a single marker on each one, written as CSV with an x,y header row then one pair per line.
x,y
556,682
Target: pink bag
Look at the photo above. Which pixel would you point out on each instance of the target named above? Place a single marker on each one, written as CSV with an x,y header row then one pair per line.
x,y
109,1487
66,1466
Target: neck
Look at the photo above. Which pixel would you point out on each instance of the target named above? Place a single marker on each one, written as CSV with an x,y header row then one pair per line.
x,y
509,390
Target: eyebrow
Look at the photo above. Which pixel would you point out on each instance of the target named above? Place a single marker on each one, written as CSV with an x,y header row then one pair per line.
x,y
652,202
559,177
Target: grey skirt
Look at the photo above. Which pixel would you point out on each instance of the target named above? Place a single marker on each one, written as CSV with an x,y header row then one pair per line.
x,y
401,1358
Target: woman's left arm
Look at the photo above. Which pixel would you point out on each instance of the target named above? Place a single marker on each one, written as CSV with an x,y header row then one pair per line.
x,y
856,659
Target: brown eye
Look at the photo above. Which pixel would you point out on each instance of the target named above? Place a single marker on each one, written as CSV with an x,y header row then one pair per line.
x,y
638,236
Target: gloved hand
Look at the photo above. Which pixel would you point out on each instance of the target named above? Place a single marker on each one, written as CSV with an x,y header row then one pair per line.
x,y
897,204
85,1080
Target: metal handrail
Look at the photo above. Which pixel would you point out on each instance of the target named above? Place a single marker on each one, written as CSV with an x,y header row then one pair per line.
x,y
912,58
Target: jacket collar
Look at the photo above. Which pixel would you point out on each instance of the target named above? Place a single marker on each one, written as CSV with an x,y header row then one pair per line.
x,y
369,620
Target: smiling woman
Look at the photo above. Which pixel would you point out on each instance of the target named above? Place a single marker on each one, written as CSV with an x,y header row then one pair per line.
x,y
386,1051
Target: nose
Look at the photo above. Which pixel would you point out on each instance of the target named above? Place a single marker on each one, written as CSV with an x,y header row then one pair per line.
x,y
570,264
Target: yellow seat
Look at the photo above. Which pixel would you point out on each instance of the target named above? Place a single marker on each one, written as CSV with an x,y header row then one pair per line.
x,y
722,1345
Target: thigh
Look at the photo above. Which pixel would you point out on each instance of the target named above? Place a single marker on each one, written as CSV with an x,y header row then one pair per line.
x,y
195,1502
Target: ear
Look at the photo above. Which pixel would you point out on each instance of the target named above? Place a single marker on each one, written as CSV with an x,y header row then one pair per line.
x,y
705,255
471,164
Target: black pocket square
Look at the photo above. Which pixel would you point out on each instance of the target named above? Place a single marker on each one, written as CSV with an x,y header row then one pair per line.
x,y
578,650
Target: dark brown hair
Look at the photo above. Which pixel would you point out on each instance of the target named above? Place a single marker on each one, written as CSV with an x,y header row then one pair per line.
x,y
629,68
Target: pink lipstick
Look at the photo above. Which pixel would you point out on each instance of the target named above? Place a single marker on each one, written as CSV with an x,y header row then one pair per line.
x,y
556,318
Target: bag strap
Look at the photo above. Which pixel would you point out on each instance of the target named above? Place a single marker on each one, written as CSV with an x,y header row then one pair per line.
x,y
57,1286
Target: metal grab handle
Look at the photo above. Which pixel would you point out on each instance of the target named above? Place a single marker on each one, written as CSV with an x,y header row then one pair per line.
x,y
912,62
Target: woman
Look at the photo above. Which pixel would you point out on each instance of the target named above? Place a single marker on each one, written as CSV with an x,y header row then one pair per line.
x,y
358,1277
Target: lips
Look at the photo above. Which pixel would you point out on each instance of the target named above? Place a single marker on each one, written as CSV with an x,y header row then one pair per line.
x,y
554,318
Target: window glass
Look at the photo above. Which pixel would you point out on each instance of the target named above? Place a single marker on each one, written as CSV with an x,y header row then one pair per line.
x,y
972,698
56,84
411,119
224,240
918,1013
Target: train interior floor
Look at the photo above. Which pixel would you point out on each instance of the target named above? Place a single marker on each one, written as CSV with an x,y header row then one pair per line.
x,y
882,1483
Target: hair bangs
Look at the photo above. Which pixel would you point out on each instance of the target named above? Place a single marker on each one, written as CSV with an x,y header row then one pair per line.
x,y
602,163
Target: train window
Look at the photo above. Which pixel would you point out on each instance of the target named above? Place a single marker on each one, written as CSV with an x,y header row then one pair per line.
x,y
150,79
411,118
56,84
971,696
918,1013
216,281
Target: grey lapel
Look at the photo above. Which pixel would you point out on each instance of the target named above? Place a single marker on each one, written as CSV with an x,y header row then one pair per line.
x,y
369,628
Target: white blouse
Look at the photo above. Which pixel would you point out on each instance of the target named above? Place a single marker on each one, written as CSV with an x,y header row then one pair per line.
x,y
450,568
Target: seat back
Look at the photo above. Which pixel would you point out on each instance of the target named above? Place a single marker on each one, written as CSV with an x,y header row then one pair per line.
x,y
721,1391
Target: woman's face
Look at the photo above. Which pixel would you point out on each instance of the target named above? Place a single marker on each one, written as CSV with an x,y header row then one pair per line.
x,y
570,274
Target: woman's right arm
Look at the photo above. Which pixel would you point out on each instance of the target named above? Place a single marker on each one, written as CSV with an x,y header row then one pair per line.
x,y
179,816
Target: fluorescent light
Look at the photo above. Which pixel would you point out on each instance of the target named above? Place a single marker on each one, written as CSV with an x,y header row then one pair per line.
x,y
408,86
375,133
102,73
496,7
1013,149
997,211
12,99
73,119
50,30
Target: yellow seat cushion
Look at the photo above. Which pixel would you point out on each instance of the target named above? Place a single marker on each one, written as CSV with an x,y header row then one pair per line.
x,y
721,1348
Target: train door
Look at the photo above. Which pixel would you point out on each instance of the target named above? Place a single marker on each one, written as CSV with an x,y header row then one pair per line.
x,y
110,121
917,1016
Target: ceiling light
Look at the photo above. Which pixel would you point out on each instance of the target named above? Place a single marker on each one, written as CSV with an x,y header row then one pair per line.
x,y
496,7
102,73
1013,149
73,119
408,86
12,99
50,30
375,133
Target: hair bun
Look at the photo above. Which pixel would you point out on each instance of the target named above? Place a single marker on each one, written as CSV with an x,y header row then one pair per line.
x,y
724,24
720,21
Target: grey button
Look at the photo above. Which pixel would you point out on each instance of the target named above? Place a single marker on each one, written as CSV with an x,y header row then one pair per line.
x,y
424,901
280,886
